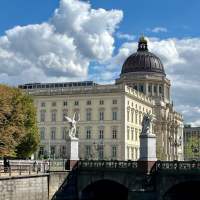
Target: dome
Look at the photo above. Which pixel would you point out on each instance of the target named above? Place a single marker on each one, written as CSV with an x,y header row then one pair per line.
x,y
143,60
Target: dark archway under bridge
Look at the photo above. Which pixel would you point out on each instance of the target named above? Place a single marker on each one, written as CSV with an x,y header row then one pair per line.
x,y
167,180
105,190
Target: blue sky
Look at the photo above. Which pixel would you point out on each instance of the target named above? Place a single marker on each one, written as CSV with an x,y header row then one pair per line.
x,y
89,40
179,16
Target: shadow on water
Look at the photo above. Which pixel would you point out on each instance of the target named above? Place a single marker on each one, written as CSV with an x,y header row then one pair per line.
x,y
184,191
105,190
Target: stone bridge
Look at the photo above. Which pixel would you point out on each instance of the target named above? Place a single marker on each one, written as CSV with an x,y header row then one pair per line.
x,y
127,180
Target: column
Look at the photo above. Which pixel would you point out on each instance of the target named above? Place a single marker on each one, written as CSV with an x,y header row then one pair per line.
x,y
157,90
152,89
147,88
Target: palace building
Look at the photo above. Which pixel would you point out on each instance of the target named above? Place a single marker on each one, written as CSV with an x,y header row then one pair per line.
x,y
111,115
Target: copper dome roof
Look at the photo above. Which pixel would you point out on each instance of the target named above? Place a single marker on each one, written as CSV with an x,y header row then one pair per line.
x,y
143,60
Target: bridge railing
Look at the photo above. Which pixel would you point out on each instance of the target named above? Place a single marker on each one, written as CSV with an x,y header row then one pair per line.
x,y
176,165
25,169
115,164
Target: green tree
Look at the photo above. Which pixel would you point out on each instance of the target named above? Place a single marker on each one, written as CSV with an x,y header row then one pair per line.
x,y
18,127
192,148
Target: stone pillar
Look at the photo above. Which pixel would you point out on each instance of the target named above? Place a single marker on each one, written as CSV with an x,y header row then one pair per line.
x,y
147,151
147,89
72,152
158,94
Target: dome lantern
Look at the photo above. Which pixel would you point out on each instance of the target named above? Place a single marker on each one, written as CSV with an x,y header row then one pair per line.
x,y
142,44
143,60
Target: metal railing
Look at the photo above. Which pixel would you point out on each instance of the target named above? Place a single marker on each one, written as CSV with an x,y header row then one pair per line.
x,y
107,164
176,165
25,169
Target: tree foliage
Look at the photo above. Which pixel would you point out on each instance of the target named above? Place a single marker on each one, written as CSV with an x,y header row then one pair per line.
x,y
18,127
192,149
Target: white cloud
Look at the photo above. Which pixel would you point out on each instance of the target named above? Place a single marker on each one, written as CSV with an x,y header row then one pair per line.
x,y
158,30
61,48
125,36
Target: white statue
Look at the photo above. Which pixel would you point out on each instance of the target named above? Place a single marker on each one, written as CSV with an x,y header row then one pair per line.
x,y
146,123
72,122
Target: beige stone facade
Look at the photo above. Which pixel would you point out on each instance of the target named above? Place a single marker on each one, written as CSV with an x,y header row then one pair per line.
x,y
168,126
110,122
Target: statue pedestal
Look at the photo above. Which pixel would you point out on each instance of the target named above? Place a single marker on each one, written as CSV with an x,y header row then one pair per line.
x,y
72,152
147,151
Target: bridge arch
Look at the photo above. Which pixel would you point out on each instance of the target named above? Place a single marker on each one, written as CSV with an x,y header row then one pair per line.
x,y
182,191
104,189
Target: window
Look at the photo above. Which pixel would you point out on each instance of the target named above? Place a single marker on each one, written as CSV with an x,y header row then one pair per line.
x,y
150,88
155,88
53,104
114,152
64,133
114,134
160,89
88,115
42,115
141,88
41,151
114,115
42,104
101,102
101,115
53,133
76,103
42,133
88,102
88,133
128,131
132,134
53,150
77,114
101,134
132,152
53,116
64,114
64,103
114,101
88,151
101,152
63,151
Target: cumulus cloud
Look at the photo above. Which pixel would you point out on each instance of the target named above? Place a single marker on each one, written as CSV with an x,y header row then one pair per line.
x,y
61,48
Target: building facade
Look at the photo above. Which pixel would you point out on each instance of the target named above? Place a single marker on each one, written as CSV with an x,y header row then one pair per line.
x,y
191,142
111,115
